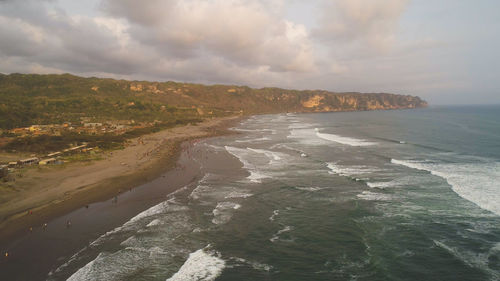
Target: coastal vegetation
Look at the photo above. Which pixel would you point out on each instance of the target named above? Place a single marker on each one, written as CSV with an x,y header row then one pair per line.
x,y
43,113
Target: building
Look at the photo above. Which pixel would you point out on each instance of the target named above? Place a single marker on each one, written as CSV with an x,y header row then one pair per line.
x,y
28,161
92,125
34,128
48,161
74,149
54,154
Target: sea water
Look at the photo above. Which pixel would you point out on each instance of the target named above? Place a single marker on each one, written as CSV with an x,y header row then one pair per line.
x,y
385,195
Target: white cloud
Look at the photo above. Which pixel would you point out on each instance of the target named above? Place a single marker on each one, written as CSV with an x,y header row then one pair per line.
x,y
366,25
354,45
246,33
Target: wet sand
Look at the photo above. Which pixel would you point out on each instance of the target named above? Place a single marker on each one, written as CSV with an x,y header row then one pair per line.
x,y
46,194
32,254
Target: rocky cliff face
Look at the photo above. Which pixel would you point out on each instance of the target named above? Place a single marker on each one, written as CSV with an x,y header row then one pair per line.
x,y
324,102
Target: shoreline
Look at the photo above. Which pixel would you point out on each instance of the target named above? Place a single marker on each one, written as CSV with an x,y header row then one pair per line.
x,y
111,182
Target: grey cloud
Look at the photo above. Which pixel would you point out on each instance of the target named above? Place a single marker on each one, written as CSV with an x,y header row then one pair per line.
x,y
56,40
41,38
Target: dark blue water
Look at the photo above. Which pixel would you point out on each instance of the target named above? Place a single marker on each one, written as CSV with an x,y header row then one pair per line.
x,y
386,195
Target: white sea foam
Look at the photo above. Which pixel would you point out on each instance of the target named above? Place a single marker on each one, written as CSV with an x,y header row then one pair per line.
x,y
272,155
373,196
476,182
343,140
236,194
276,236
311,188
73,258
119,264
223,212
255,265
154,222
380,184
285,146
253,140
206,177
401,181
155,210
474,260
306,136
275,213
214,147
131,241
244,156
109,266
172,194
257,177
200,265
84,272
351,170
199,191
166,206
240,154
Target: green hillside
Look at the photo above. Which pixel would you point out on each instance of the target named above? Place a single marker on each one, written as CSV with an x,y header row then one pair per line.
x,y
27,99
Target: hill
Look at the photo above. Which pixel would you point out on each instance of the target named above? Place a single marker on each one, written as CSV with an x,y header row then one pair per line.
x,y
27,99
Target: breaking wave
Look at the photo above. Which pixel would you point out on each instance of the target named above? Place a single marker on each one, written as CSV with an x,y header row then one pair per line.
x,y
476,182
343,140
200,265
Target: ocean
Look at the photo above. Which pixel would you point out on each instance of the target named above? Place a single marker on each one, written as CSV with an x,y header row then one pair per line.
x,y
379,195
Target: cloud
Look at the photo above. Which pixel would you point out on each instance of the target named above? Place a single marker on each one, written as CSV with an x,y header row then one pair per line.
x,y
150,13
233,41
56,40
347,45
246,33
362,24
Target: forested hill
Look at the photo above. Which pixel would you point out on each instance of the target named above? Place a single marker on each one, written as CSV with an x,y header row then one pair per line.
x,y
27,99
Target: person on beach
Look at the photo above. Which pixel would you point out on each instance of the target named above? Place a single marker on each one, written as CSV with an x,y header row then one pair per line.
x,y
44,226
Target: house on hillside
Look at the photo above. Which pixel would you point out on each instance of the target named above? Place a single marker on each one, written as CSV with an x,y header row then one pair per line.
x,y
92,125
34,128
54,154
74,149
28,161
48,161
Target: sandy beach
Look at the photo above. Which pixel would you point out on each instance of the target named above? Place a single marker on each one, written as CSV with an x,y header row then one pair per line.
x,y
49,193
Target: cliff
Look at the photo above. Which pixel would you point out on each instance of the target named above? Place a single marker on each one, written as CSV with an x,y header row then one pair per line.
x,y
27,99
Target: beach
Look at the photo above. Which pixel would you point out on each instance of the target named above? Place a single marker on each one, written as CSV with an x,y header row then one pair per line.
x,y
335,196
51,193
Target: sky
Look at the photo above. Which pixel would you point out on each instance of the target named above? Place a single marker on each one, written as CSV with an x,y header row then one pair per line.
x,y
445,51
